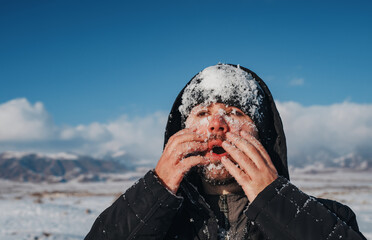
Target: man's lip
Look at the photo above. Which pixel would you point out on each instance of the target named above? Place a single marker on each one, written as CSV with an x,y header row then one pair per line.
x,y
214,143
216,153
215,158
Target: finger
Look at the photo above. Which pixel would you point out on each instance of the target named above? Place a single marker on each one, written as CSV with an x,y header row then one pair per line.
x,y
187,163
185,137
255,142
247,148
187,148
240,158
173,155
239,175
185,130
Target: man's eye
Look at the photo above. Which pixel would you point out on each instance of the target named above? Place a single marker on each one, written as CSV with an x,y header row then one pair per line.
x,y
235,113
202,114
238,113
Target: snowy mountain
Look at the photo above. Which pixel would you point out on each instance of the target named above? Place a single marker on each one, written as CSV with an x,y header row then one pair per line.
x,y
61,167
327,160
130,161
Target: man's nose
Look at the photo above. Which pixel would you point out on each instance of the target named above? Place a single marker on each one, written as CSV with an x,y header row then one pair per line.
x,y
218,125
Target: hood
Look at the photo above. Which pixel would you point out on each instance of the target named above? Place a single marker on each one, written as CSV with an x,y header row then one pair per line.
x,y
251,95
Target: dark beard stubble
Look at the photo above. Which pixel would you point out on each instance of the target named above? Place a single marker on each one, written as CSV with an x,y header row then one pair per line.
x,y
203,173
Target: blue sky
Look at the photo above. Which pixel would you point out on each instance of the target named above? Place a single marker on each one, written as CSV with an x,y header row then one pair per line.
x,y
99,77
95,60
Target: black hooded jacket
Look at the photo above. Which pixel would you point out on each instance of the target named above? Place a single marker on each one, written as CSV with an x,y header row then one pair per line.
x,y
147,210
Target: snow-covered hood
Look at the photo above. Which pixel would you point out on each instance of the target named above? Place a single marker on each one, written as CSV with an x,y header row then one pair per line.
x,y
239,87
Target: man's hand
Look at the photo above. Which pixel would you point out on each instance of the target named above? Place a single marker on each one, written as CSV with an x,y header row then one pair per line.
x,y
175,163
256,170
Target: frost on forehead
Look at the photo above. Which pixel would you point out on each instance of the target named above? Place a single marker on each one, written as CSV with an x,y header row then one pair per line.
x,y
226,84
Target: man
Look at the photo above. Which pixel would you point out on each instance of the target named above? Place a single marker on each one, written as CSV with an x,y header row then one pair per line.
x,y
223,173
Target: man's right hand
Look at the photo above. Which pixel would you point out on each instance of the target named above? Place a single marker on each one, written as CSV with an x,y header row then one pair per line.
x,y
175,162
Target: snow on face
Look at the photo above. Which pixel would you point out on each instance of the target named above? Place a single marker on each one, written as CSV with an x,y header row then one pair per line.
x,y
226,84
231,116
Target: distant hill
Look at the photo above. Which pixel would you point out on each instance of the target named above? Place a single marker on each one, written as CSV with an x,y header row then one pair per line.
x,y
61,167
328,160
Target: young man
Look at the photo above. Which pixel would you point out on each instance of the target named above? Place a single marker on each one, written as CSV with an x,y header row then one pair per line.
x,y
223,173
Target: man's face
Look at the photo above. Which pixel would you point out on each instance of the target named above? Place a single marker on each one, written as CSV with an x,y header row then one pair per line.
x,y
214,121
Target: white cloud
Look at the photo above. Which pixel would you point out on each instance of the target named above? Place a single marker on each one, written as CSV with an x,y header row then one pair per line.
x,y
139,136
297,82
340,128
22,121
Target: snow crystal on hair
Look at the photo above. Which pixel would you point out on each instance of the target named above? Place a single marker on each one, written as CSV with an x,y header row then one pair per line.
x,y
226,84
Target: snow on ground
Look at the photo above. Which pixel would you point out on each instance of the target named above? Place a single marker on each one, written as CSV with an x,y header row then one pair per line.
x,y
353,188
67,210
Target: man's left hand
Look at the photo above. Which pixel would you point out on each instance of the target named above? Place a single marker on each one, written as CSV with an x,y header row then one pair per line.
x,y
256,170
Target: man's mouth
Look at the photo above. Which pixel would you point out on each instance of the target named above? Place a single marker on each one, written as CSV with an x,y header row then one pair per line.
x,y
214,150
215,146
218,150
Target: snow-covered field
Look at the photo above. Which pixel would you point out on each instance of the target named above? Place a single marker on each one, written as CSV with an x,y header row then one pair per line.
x,y
68,210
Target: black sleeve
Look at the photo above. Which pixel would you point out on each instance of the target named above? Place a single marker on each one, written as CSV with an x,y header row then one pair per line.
x,y
283,212
144,211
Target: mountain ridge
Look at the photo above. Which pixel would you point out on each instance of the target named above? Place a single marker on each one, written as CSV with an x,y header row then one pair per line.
x,y
62,167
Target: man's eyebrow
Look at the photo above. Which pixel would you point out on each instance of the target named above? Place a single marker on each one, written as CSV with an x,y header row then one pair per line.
x,y
231,108
201,108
